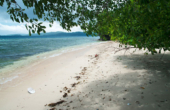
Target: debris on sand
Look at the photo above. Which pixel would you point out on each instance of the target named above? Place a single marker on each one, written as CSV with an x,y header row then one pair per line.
x,y
77,77
65,88
31,90
57,103
137,102
69,90
65,95
142,87
128,104
159,105
74,84
96,55
53,108
82,73
84,69
79,82
126,90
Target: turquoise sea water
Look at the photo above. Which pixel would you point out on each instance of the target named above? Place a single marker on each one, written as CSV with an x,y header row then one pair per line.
x,y
15,49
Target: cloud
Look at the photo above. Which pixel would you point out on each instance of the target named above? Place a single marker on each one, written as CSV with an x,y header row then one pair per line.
x,y
15,29
6,28
56,27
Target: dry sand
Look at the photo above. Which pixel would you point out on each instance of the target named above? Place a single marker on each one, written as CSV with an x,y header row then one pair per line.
x,y
105,81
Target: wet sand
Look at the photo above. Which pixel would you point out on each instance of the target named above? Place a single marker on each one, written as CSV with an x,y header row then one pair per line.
x,y
93,78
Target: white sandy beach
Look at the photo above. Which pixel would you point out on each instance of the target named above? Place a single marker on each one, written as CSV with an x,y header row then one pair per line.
x,y
108,81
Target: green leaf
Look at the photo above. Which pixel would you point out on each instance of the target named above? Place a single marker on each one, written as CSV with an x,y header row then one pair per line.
x,y
22,20
40,23
17,20
30,27
44,31
26,26
31,20
43,27
29,32
146,53
36,19
1,2
11,17
50,25
33,31
17,9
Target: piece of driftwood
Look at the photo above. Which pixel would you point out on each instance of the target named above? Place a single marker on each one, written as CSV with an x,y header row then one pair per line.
x,y
57,103
74,84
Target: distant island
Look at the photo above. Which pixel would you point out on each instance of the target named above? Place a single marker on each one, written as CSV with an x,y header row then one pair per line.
x,y
49,34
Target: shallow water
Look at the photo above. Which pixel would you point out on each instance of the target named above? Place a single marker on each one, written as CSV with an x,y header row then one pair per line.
x,y
17,52
14,49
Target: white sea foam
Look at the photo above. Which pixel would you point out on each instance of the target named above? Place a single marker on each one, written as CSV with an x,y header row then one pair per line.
x,y
55,55
5,80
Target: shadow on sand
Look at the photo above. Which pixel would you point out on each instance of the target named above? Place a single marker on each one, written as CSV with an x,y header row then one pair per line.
x,y
147,87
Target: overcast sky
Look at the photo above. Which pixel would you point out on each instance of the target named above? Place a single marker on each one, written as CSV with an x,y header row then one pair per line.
x,y
7,26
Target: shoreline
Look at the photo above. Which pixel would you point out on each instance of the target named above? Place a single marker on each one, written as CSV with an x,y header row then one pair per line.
x,y
10,72
107,81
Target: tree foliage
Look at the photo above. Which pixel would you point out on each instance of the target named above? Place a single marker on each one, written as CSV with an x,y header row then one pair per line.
x,y
68,12
143,24
140,23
